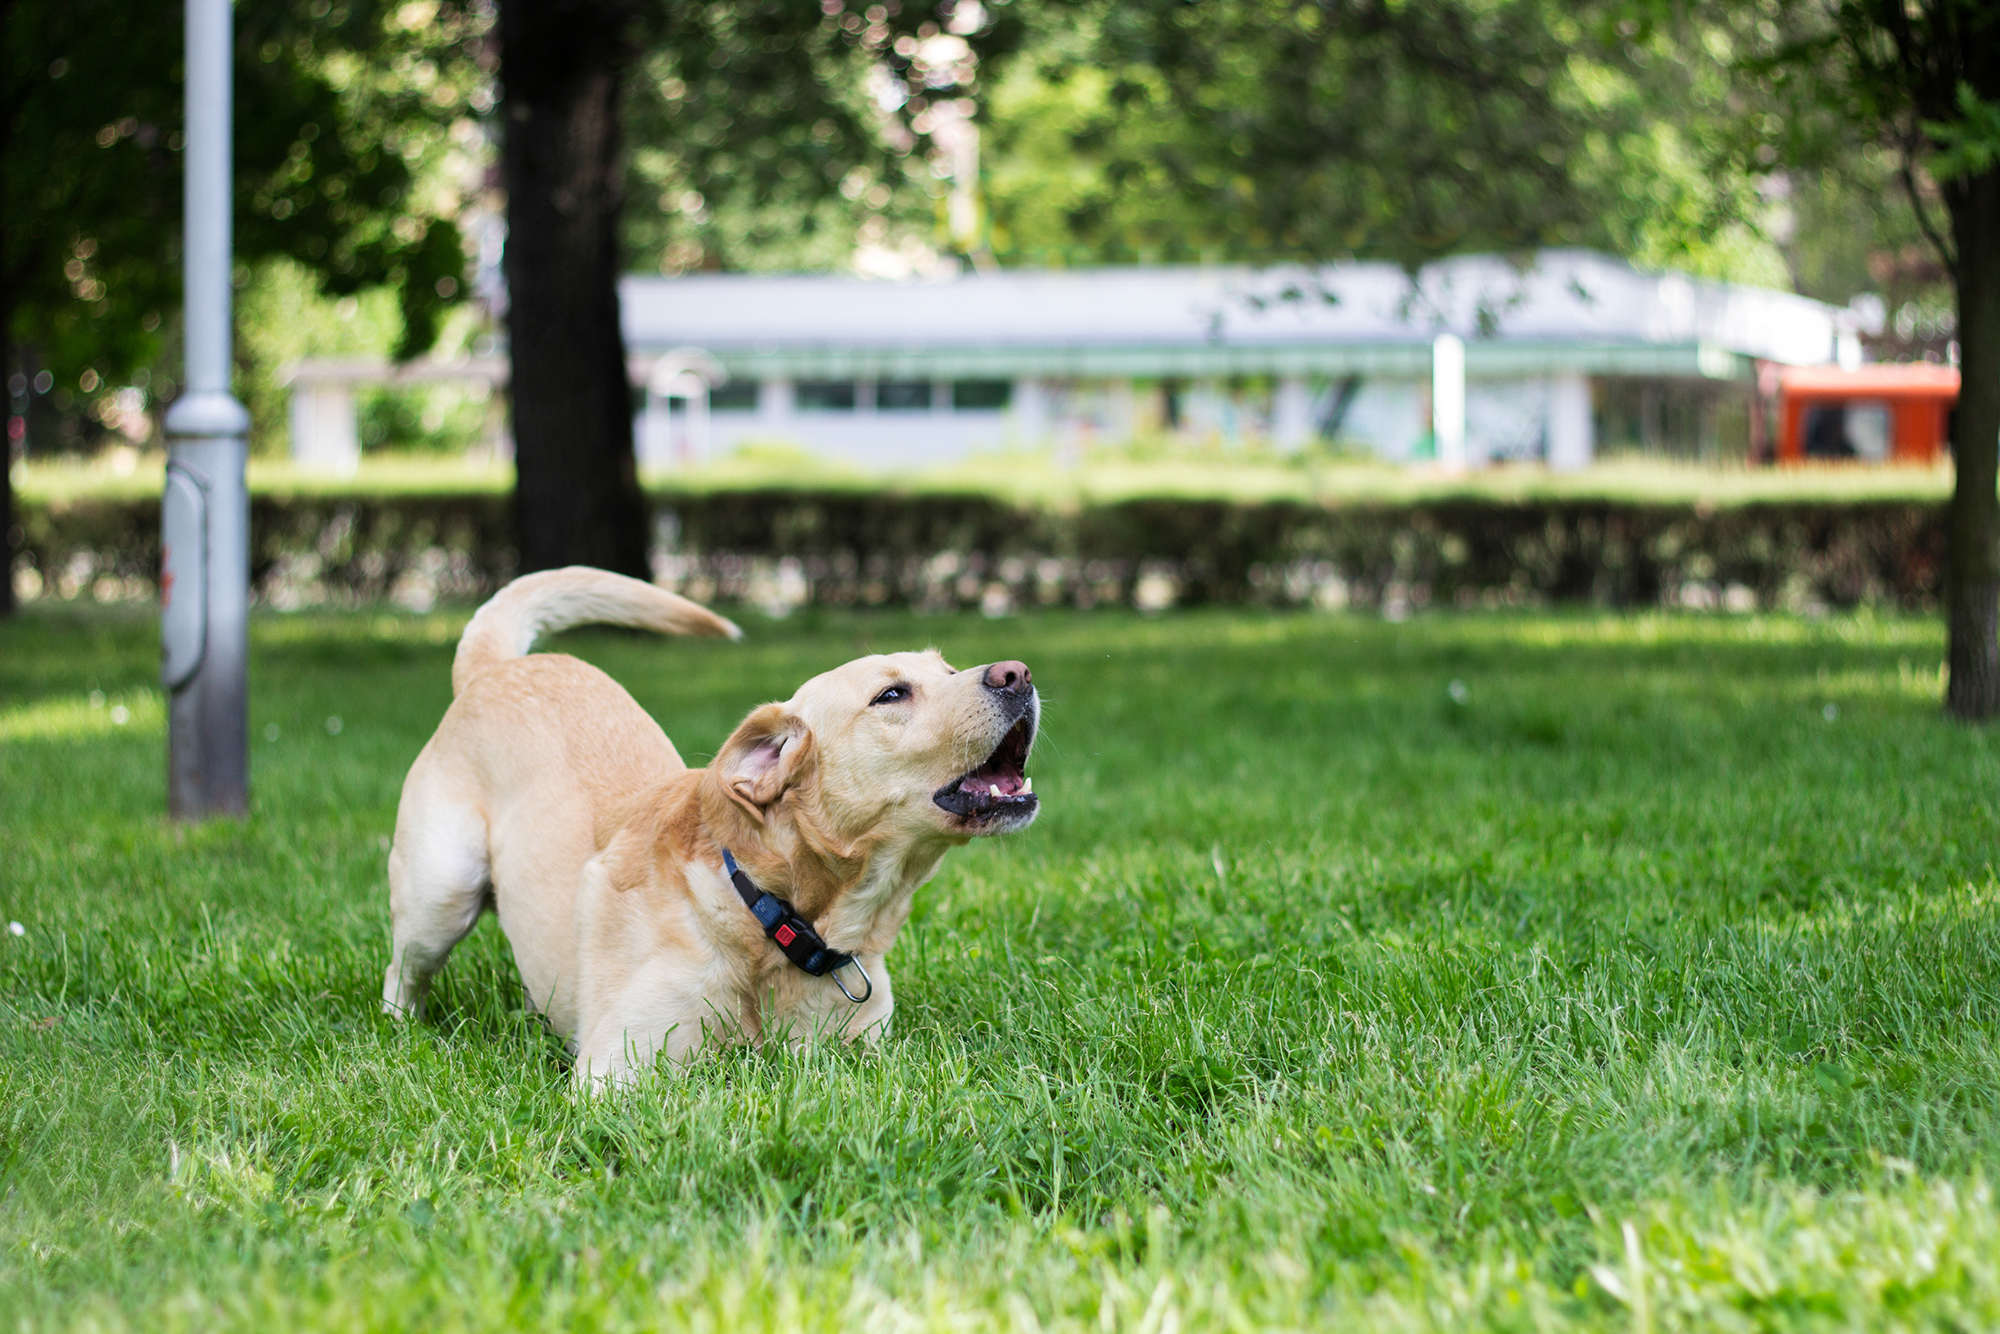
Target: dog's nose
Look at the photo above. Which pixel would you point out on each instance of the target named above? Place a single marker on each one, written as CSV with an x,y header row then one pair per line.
x,y
1012,677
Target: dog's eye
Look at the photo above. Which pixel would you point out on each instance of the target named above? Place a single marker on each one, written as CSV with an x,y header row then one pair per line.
x,y
893,695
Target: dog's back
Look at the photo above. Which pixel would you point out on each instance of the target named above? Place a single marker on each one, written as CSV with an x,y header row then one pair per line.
x,y
530,767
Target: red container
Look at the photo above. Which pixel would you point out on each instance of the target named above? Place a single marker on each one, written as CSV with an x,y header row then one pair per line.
x,y
1884,413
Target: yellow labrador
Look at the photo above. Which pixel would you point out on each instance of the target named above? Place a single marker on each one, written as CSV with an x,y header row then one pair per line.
x,y
651,906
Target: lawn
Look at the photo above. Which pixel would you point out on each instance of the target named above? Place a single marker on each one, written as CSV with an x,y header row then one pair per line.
x,y
1036,477
1538,971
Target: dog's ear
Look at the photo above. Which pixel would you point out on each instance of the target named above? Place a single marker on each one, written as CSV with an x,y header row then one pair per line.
x,y
766,756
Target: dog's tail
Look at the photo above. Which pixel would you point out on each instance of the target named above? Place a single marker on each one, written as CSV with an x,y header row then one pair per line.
x,y
536,604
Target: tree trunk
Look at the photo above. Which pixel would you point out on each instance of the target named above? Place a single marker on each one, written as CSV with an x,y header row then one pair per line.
x,y
1973,557
577,498
7,271
9,537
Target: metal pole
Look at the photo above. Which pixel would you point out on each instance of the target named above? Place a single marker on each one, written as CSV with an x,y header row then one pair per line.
x,y
205,511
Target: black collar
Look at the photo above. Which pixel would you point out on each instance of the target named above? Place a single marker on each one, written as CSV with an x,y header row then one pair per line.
x,y
794,934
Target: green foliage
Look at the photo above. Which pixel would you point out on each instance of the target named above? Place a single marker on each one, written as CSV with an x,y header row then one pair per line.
x,y
282,318
1629,537
1323,995
769,135
1968,145
342,127
345,115
1050,125
744,122
1905,70
1922,79
424,419
91,137
1265,129
1037,478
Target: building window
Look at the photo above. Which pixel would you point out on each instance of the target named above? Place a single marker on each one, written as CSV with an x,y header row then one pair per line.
x,y
824,395
981,395
734,396
1848,431
903,396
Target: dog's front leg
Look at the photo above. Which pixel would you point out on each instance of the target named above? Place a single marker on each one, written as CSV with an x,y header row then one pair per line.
x,y
813,1008
869,1021
665,1009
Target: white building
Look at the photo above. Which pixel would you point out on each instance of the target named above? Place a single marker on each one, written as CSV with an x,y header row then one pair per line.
x,y
1570,351
886,373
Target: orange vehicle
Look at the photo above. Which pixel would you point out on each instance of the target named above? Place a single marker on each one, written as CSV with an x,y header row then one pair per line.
x,y
1883,413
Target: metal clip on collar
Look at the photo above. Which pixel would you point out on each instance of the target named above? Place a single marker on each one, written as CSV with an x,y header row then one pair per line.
x,y
862,999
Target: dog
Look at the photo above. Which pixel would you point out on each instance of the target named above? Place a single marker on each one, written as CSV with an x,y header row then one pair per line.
x,y
652,907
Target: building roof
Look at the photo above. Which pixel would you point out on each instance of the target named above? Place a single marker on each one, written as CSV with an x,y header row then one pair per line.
x,y
1563,310
1880,380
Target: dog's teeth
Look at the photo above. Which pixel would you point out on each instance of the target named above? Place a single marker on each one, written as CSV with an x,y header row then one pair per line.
x,y
1027,787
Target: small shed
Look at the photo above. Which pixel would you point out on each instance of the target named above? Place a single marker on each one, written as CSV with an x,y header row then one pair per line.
x,y
1882,413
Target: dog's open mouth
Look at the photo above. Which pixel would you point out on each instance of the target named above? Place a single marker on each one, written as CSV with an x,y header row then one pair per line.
x,y
997,787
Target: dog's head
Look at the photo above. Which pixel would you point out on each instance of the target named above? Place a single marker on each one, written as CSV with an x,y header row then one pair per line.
x,y
898,748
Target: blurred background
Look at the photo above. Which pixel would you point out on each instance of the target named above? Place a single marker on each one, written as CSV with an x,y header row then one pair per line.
x,y
1038,250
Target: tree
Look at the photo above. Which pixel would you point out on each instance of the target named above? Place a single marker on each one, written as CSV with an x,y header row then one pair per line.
x,y
1314,129
759,109
774,134
562,63
1924,77
756,142
333,103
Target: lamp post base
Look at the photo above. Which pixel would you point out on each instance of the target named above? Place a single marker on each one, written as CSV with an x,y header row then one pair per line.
x,y
205,626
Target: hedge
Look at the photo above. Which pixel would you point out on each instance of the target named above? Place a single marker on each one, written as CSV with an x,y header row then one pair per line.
x,y
783,548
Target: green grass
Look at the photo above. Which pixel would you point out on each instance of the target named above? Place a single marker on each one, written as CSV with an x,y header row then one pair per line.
x,y
1034,477
1654,986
